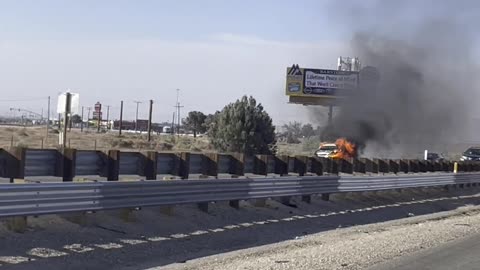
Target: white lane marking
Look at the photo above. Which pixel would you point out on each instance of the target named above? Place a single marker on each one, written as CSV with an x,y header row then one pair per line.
x,y
78,248
158,238
260,222
46,252
200,232
109,246
132,241
217,230
15,259
229,227
178,235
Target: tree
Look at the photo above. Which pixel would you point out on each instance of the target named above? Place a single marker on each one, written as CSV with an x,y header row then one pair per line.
x,y
76,119
243,127
195,122
293,129
307,131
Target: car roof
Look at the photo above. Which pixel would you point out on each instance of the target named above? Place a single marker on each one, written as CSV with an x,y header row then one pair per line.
x,y
328,144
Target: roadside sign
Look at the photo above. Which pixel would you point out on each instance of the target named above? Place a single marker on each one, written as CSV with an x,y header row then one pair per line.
x,y
74,103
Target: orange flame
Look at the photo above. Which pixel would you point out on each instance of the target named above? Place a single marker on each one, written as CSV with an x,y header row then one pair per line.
x,y
345,150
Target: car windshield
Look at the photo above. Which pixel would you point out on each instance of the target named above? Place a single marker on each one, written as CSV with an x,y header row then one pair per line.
x,y
328,148
473,151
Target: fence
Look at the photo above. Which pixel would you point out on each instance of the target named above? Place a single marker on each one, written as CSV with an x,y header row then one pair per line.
x,y
69,163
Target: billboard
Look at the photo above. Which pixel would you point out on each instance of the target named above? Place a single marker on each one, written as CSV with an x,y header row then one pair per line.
x,y
320,83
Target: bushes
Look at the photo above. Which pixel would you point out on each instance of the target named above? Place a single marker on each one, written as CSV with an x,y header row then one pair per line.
x,y
121,143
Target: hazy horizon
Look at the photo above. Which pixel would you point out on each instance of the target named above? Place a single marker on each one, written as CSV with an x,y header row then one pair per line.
x,y
213,51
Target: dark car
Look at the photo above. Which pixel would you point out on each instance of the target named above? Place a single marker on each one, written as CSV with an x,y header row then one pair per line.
x,y
472,153
434,157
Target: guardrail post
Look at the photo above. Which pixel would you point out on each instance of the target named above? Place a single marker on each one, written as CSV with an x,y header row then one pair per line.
x,y
394,166
344,166
413,165
16,163
300,165
422,166
113,165
470,166
477,166
447,166
281,165
237,164
437,166
358,166
210,164
260,166
67,165
382,165
203,206
317,166
234,204
307,199
183,165
404,166
370,166
151,165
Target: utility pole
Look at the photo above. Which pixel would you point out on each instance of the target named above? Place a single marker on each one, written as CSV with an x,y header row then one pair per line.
x,y
178,112
108,112
173,124
81,124
88,117
150,121
99,121
121,119
136,116
48,119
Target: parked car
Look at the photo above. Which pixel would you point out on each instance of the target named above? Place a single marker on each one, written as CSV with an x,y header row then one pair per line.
x,y
472,153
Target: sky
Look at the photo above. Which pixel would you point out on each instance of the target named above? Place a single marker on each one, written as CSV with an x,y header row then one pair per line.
x,y
213,51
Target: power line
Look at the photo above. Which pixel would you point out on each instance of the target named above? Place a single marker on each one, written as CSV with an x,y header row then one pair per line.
x,y
22,99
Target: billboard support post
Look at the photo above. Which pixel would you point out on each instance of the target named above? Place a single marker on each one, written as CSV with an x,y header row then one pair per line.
x,y
66,118
330,115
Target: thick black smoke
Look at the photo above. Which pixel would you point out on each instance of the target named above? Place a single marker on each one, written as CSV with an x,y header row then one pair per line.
x,y
428,81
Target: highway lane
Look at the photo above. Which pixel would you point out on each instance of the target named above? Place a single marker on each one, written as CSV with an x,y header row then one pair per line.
x,y
459,254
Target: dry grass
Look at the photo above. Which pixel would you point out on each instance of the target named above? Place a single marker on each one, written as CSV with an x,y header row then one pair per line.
x,y
34,137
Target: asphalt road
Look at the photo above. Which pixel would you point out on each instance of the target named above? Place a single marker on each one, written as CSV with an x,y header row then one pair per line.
x,y
456,255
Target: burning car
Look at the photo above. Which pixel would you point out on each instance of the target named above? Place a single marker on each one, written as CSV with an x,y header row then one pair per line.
x,y
341,149
326,150
345,149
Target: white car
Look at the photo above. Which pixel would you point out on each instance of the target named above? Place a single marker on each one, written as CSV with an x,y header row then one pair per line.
x,y
326,150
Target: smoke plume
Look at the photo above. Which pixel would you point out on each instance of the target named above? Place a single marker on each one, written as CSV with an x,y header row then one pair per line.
x,y
428,84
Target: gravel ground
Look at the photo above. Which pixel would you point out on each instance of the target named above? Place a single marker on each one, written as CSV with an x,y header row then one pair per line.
x,y
354,248
320,235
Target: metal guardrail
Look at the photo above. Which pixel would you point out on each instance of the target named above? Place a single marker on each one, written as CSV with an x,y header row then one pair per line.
x,y
20,163
55,198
